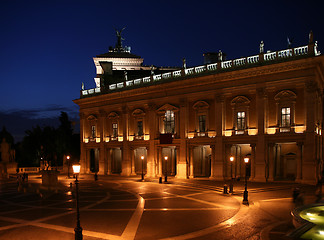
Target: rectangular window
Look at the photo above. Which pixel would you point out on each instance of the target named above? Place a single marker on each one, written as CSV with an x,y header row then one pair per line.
x,y
115,130
240,120
140,128
93,131
285,117
202,123
169,122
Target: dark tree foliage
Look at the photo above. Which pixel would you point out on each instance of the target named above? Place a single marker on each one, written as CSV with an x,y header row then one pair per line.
x,y
49,144
5,134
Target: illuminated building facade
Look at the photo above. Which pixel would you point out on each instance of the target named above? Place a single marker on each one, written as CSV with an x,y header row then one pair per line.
x,y
268,107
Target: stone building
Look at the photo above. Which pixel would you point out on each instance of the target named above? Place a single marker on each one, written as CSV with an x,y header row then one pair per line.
x,y
188,122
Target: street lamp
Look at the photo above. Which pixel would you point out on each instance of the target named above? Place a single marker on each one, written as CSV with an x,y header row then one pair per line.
x,y
231,184
142,157
78,228
245,193
166,168
68,164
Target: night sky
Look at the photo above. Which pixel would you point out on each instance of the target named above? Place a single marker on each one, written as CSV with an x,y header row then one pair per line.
x,y
46,47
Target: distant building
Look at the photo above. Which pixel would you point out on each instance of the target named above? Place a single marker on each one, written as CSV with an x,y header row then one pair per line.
x,y
267,107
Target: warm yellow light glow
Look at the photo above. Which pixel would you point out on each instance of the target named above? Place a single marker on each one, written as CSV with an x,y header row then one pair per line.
x,y
146,137
271,130
246,160
67,157
191,135
300,129
120,139
253,131
231,158
130,138
165,158
228,133
76,168
107,139
97,140
211,134
86,140
142,157
321,232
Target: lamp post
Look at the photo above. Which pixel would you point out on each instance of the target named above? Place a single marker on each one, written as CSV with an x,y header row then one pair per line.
x,y
245,193
78,228
142,157
231,184
166,168
68,165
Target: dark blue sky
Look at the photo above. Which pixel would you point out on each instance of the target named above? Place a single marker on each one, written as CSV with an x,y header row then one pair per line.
x,y
46,47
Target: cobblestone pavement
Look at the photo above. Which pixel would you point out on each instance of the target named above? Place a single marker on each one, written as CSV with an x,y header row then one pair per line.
x,y
126,208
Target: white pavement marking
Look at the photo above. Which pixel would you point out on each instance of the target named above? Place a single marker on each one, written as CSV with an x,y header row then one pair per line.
x,y
201,201
131,228
226,224
275,199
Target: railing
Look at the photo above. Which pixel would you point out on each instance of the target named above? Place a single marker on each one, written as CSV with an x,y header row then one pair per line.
x,y
269,56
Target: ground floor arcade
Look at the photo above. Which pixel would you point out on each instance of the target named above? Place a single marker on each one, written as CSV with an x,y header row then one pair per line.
x,y
273,161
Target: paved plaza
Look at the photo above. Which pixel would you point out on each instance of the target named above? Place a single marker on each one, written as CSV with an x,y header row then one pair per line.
x,y
126,208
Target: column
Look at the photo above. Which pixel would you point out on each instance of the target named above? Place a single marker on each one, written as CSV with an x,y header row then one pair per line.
x,y
252,161
218,171
132,156
182,160
309,158
271,162
102,155
108,161
126,162
299,160
159,161
191,166
260,151
151,153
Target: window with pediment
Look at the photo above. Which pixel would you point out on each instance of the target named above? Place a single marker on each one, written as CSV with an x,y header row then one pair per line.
x,y
285,103
167,119
201,117
92,122
240,108
113,119
139,117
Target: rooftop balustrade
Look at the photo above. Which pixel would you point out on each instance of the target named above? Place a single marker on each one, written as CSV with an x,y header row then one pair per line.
x,y
245,61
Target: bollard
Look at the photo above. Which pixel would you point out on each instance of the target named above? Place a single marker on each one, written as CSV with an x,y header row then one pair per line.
x,y
96,177
160,179
231,188
225,189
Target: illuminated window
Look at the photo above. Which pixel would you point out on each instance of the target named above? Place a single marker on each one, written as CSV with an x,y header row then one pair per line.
x,y
93,131
140,128
115,130
169,122
240,120
202,123
285,117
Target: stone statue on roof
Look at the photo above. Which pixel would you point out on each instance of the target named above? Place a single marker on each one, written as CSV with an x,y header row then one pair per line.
x,y
261,47
119,38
